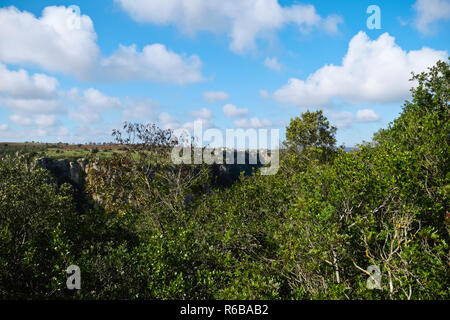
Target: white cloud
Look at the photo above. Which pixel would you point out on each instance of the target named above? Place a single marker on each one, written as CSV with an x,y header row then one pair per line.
x,y
205,123
50,42
231,111
33,100
94,98
372,71
85,115
153,63
54,43
429,12
254,123
33,106
167,121
40,120
25,94
142,109
3,127
272,63
242,20
345,119
19,84
367,115
92,104
72,94
204,114
331,23
215,96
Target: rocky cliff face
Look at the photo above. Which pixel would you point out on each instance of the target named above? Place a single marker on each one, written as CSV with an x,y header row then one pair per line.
x,y
75,172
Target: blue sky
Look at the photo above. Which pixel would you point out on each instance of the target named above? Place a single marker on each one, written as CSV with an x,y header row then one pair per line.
x,y
247,64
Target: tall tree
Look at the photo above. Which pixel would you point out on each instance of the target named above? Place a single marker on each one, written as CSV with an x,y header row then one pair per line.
x,y
312,136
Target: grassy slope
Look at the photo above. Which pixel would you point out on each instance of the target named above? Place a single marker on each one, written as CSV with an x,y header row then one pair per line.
x,y
59,151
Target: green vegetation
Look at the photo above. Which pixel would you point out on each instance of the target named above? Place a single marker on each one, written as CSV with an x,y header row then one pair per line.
x,y
154,230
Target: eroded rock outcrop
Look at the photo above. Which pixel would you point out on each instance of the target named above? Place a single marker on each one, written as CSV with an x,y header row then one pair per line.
x,y
73,172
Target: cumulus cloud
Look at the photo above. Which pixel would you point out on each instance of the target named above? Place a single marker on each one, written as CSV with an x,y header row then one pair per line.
x,y
345,119
372,71
231,111
204,114
34,101
367,115
242,20
272,63
55,43
430,12
40,120
51,42
215,96
92,104
40,115
85,115
31,99
139,109
254,123
153,63
31,106
205,124
331,23
167,121
93,97
20,84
